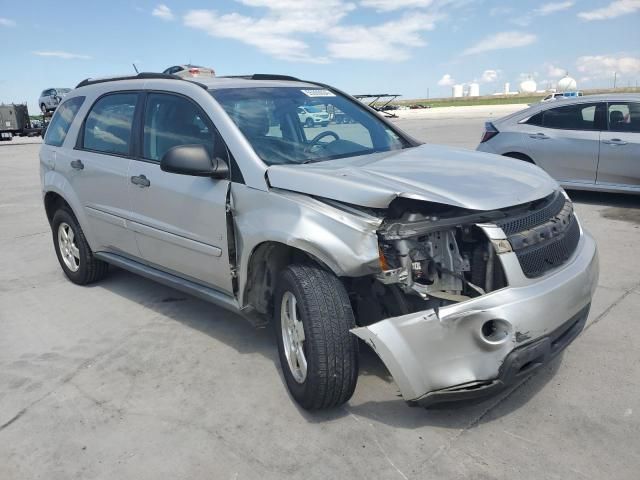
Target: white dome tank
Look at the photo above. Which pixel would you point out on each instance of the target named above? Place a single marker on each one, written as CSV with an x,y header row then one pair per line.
x,y
474,90
528,86
457,91
567,84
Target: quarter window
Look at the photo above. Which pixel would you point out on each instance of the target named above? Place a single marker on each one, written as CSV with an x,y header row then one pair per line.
x,y
108,126
61,121
171,121
624,117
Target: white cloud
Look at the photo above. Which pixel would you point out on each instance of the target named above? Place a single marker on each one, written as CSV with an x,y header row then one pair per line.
x,y
277,32
600,66
553,7
282,30
163,12
555,71
388,5
489,76
614,9
7,22
500,41
446,80
61,54
389,41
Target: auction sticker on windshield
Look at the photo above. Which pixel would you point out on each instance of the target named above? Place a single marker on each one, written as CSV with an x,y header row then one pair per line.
x,y
318,93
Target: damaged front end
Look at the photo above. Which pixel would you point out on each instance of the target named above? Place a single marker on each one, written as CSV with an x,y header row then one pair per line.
x,y
464,303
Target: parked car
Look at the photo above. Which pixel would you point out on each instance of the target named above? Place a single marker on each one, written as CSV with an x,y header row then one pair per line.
x,y
311,116
586,143
190,71
561,96
463,271
51,98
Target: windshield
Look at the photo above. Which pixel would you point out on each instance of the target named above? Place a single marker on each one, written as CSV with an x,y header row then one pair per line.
x,y
270,120
312,109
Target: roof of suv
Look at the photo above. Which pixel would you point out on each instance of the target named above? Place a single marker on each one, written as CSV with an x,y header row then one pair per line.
x,y
210,83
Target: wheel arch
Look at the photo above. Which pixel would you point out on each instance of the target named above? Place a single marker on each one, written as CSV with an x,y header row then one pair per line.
x,y
266,261
519,156
55,197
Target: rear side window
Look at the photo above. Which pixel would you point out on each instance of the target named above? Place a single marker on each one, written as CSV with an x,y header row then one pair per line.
x,y
61,121
584,116
171,120
107,128
624,117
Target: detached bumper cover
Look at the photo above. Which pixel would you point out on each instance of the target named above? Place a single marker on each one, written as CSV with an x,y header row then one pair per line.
x,y
443,356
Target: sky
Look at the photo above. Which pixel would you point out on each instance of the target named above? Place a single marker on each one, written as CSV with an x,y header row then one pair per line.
x,y
416,48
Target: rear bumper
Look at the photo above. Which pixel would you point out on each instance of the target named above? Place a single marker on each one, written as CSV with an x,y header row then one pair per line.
x,y
444,355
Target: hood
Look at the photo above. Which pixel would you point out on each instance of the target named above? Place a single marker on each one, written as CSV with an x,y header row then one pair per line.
x,y
432,173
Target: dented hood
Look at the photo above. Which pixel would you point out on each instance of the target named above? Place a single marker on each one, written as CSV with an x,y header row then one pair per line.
x,y
433,173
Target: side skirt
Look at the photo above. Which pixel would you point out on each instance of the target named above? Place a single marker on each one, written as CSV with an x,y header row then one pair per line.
x,y
205,293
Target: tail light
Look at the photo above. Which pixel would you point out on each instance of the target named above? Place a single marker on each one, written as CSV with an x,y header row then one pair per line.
x,y
194,71
490,131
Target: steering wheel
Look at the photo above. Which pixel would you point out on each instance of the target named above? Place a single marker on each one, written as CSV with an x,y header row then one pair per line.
x,y
320,136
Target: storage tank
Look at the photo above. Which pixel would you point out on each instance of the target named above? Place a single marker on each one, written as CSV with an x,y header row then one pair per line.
x,y
507,86
567,84
474,90
528,86
457,91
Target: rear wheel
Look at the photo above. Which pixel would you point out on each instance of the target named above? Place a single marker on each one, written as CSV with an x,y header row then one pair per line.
x,y
318,354
75,256
43,108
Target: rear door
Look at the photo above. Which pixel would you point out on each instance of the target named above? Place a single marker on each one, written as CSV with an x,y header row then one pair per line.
x,y
565,141
98,169
180,221
620,146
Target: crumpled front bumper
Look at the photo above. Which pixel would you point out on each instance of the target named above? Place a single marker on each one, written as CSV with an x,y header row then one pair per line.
x,y
442,356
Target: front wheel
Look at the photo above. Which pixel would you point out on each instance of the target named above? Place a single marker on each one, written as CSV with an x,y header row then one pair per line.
x,y
43,108
318,354
308,123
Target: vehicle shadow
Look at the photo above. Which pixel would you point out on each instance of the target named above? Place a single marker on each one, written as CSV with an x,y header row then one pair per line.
x,y
620,200
236,332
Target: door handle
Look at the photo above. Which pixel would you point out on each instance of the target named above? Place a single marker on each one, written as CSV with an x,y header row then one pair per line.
x,y
539,136
141,181
615,141
77,165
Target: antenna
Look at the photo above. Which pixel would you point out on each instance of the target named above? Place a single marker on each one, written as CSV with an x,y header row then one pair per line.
x,y
135,68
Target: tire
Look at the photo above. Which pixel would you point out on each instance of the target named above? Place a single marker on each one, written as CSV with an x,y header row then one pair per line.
x,y
323,309
43,108
76,252
308,123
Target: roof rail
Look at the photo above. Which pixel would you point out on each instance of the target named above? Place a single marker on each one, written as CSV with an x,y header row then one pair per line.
x,y
139,76
264,76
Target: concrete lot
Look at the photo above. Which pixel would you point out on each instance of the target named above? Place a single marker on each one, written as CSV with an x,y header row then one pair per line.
x,y
128,379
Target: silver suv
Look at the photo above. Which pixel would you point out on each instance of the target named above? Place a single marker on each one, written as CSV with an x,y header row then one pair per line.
x,y
463,271
51,98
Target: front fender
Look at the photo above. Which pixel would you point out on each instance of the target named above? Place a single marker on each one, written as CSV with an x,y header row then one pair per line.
x,y
345,242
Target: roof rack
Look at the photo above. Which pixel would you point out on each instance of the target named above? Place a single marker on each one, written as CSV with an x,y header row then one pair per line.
x,y
139,76
263,76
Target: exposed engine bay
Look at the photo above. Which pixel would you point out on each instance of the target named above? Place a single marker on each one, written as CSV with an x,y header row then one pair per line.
x,y
431,256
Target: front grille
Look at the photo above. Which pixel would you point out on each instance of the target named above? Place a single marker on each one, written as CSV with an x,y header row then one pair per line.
x,y
530,219
538,259
544,238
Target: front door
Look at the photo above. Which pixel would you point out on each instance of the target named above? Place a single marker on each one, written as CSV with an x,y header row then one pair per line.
x,y
565,141
179,220
620,146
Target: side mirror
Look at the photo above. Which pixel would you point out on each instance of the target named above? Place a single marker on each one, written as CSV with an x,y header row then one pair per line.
x,y
193,160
